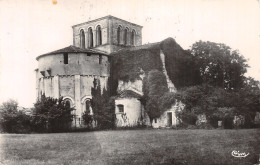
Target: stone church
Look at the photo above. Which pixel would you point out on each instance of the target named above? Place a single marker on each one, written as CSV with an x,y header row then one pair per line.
x,y
70,72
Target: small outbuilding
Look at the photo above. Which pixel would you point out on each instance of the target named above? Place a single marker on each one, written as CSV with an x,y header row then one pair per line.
x,y
128,109
168,118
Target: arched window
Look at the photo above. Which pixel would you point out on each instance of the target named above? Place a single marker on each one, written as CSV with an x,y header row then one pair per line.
x,y
82,39
87,106
125,36
90,37
133,37
67,102
118,34
98,36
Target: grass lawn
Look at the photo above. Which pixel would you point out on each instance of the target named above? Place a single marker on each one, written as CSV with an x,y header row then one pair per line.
x,y
189,147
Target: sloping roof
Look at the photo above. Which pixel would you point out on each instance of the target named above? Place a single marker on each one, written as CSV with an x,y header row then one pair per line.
x,y
129,94
73,49
148,46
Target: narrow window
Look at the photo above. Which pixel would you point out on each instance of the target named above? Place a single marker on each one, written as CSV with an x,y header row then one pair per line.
x,y
118,34
100,59
125,36
82,39
155,120
90,37
87,104
99,35
133,37
120,108
66,59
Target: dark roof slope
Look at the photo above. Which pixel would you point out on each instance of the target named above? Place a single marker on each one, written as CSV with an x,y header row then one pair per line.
x,y
149,46
129,94
73,49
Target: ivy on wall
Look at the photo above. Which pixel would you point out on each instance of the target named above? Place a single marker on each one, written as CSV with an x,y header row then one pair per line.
x,y
129,64
179,64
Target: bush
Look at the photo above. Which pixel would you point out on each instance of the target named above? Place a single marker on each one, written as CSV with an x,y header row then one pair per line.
x,y
12,120
51,115
249,122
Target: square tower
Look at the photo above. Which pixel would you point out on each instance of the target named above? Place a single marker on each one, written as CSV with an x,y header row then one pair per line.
x,y
107,34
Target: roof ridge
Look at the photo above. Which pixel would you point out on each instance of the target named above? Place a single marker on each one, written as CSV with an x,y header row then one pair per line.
x,y
73,49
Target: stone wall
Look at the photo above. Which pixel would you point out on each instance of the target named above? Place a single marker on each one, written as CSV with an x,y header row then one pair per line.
x,y
48,87
76,88
78,64
67,86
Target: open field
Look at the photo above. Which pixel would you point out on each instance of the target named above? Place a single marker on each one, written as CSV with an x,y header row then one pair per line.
x,y
132,147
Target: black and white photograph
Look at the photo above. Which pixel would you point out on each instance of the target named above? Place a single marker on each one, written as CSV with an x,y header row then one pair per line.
x,y
96,82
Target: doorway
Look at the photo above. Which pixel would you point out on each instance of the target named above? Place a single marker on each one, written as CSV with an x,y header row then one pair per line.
x,y
169,119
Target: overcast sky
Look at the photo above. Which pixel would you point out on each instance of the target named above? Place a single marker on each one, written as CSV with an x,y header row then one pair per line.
x,y
29,28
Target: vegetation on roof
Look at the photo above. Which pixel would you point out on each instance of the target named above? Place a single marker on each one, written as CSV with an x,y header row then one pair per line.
x,y
129,64
179,64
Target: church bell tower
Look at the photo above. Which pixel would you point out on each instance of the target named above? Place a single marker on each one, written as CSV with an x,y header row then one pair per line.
x,y
107,34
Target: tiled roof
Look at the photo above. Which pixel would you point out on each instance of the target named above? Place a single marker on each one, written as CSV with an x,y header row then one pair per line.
x,y
129,94
148,46
73,49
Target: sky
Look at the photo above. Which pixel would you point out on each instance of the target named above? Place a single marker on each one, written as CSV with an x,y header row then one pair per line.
x,y
30,28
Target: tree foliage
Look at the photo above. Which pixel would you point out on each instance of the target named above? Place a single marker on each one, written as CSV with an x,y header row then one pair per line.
x,y
218,65
219,104
51,115
103,107
12,120
87,116
154,87
179,64
222,91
